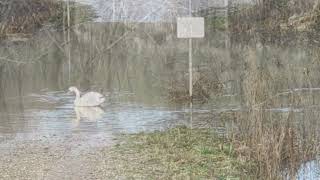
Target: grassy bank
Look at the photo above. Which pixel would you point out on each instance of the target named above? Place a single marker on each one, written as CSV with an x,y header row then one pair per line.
x,y
176,153
182,153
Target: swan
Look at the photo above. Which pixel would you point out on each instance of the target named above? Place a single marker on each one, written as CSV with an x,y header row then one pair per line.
x,y
89,99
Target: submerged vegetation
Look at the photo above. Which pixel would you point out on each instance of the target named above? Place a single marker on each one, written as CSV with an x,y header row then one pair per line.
x,y
205,85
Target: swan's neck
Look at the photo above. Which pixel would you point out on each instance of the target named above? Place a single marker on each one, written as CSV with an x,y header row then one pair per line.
x,y
77,94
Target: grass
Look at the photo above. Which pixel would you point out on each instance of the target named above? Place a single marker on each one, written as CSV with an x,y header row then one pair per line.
x,y
176,153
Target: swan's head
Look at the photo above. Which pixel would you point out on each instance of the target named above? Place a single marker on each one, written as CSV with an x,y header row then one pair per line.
x,y
73,89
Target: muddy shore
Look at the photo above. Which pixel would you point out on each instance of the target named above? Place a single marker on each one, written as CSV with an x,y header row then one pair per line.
x,y
54,157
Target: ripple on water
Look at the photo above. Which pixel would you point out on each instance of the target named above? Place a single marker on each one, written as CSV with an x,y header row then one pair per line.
x,y
54,113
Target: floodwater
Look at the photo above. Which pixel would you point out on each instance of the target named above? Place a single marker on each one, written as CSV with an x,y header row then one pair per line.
x,y
134,65
53,112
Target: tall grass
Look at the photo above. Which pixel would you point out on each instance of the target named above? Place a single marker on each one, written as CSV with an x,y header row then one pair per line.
x,y
274,21
277,142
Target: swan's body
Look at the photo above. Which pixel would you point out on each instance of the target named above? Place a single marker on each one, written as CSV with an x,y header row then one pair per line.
x,y
89,99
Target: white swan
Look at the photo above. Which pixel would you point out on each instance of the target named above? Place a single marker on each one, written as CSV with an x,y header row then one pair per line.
x,y
89,99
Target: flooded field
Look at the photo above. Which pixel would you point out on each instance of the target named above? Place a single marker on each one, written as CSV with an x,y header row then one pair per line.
x,y
266,94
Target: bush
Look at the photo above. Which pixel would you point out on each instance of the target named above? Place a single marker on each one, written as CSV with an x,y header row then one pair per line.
x,y
25,16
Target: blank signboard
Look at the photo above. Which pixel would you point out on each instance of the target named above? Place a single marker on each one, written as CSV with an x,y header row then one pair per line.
x,y
190,27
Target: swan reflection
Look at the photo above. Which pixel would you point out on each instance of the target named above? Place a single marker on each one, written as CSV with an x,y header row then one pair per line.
x,y
89,113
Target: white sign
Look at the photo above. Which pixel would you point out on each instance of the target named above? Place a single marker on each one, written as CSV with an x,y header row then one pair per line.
x,y
190,27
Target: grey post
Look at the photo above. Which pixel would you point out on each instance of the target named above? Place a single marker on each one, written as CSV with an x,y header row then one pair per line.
x,y
190,56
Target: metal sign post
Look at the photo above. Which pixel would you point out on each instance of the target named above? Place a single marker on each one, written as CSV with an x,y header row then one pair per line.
x,y
190,68
190,58
190,27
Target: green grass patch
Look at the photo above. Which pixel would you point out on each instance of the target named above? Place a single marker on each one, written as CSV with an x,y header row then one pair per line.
x,y
175,153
